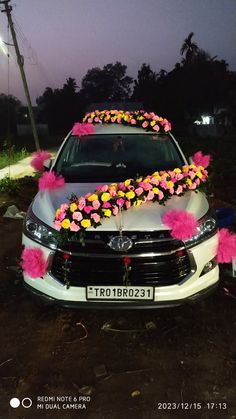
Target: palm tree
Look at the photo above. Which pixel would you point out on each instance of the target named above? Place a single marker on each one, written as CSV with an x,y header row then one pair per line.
x,y
189,48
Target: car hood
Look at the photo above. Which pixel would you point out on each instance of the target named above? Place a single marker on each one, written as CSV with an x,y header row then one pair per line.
x,y
147,217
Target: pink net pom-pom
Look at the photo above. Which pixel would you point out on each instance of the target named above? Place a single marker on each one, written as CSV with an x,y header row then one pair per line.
x,y
39,157
81,129
227,246
33,262
200,159
50,180
183,225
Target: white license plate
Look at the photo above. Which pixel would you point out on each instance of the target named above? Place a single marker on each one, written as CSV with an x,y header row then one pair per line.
x,y
119,293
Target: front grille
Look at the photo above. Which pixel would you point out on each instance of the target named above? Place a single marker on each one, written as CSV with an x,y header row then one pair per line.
x,y
154,261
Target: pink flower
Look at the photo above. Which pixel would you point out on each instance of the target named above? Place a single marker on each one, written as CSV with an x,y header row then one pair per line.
x,y
156,128
147,115
120,202
122,187
154,181
226,247
106,205
160,195
127,204
96,217
88,209
183,224
167,126
57,225
33,262
164,184
104,188
150,196
201,160
139,191
179,190
77,216
133,121
145,124
39,157
83,129
74,226
193,186
115,210
50,180
64,207
81,203
96,204
61,216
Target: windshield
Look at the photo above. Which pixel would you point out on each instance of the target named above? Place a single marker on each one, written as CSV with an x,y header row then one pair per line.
x,y
112,158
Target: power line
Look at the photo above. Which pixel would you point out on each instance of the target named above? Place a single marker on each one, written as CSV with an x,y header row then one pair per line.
x,y
20,62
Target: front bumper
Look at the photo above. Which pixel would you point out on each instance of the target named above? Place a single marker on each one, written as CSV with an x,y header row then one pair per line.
x,y
194,286
40,296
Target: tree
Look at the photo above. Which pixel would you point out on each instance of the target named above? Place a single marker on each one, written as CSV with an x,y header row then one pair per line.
x,y
107,84
60,108
189,48
9,108
145,85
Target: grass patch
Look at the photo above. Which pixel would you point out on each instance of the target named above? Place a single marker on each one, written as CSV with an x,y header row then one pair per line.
x,y
12,156
8,185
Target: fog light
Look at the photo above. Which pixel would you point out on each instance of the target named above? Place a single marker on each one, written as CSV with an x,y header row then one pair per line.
x,y
208,267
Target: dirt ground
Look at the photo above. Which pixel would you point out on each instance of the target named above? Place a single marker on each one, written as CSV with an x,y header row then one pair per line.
x,y
178,362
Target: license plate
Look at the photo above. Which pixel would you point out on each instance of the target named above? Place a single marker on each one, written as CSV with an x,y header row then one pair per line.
x,y
119,293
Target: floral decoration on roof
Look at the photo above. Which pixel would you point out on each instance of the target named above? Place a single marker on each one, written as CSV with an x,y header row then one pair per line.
x,y
141,119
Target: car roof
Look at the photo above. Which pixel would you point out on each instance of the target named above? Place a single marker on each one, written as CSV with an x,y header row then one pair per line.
x,y
119,129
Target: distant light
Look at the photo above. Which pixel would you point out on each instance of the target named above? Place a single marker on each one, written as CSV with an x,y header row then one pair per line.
x,y
2,47
198,122
206,120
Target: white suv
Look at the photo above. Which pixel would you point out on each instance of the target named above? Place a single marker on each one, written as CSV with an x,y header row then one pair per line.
x,y
158,270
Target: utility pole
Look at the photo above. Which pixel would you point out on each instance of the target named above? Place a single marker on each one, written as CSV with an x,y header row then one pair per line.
x,y
20,62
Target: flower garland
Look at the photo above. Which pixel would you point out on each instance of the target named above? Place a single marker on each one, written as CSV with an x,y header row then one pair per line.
x,y
146,120
107,200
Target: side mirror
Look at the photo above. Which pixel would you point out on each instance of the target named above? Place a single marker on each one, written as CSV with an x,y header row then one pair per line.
x,y
47,165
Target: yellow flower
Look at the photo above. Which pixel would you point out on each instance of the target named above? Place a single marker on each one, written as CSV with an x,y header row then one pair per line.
x,y
201,167
157,176
120,193
92,197
58,211
155,191
199,174
147,180
85,223
130,194
112,186
127,182
92,115
65,223
170,184
107,212
139,179
137,203
177,170
192,166
105,197
73,207
153,123
186,169
189,182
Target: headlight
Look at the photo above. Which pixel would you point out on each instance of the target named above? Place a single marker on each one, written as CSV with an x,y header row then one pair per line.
x,y
37,231
206,229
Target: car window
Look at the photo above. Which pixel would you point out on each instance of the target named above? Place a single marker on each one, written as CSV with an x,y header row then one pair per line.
x,y
108,158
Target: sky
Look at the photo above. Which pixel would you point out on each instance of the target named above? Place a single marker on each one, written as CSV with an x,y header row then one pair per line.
x,y
64,38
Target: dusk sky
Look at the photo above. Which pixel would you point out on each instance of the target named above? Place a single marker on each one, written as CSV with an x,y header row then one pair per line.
x,y
64,38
